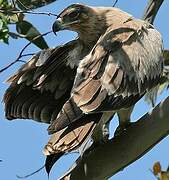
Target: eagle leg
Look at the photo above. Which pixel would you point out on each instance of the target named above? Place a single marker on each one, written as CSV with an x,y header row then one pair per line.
x,y
124,116
101,131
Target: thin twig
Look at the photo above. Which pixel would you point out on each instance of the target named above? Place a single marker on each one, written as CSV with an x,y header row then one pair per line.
x,y
8,66
21,52
31,174
28,12
29,54
116,1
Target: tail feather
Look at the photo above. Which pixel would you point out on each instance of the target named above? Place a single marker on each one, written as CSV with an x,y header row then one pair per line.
x,y
70,138
70,113
50,161
73,136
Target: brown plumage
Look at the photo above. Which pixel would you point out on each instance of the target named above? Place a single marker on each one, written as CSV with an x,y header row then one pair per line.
x,y
37,91
119,59
125,62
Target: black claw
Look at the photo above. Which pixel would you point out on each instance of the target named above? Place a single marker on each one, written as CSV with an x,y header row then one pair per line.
x,y
121,129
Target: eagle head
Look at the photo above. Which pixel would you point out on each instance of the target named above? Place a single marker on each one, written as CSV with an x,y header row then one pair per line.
x,y
89,22
73,18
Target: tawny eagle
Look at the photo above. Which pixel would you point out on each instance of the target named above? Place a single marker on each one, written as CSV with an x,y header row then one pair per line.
x,y
113,62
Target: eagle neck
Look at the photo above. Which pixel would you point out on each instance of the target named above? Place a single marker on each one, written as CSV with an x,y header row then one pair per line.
x,y
91,31
90,38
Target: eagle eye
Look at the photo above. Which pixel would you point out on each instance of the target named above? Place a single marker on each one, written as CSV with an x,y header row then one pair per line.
x,y
74,14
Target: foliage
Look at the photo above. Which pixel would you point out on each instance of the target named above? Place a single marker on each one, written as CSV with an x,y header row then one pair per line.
x,y
13,14
4,21
30,32
32,4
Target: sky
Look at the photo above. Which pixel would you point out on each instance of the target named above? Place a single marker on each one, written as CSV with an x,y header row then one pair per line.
x,y
22,141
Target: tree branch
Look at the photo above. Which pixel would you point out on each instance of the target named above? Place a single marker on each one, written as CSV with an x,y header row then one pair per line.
x,y
28,12
151,10
115,2
121,151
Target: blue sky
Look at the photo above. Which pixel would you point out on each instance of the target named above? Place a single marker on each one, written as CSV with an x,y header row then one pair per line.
x,y
22,141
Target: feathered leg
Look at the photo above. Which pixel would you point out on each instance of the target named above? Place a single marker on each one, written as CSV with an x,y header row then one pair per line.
x,y
124,116
101,131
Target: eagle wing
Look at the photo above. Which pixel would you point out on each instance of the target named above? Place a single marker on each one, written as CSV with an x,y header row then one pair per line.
x,y
125,63
39,90
40,87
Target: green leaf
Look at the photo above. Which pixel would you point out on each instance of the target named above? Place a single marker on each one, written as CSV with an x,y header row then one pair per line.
x,y
4,4
4,19
4,36
14,18
14,35
4,31
32,4
31,33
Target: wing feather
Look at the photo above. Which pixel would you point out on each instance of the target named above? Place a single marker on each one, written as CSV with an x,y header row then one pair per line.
x,y
40,87
127,61
124,64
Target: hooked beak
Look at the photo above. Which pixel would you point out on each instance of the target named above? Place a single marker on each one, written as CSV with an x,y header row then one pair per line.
x,y
58,25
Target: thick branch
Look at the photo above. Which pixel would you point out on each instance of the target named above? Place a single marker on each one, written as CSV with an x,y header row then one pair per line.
x,y
106,160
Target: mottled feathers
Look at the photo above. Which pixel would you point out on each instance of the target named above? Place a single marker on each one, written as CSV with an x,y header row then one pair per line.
x,y
125,63
114,61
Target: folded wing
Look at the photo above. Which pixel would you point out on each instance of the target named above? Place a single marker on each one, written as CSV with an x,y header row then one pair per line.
x,y
125,63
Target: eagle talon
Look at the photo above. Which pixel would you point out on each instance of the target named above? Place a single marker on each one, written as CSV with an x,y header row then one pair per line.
x,y
102,140
121,129
101,134
105,133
